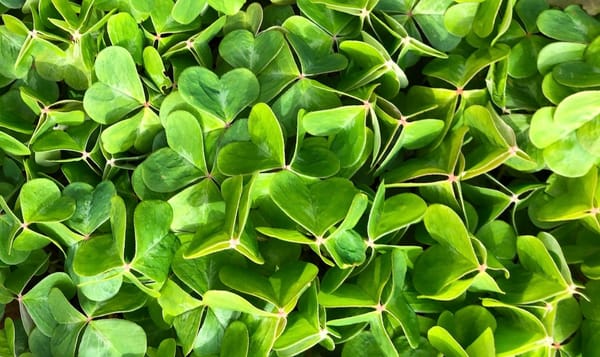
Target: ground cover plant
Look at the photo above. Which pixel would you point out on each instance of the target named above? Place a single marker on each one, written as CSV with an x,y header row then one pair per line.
x,y
310,177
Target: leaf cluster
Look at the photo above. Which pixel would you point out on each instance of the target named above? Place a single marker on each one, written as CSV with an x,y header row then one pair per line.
x,y
282,178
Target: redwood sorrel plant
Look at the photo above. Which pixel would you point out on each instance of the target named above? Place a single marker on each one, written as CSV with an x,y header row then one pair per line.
x,y
311,177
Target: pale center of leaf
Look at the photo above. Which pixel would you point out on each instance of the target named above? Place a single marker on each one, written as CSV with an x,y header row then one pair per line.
x,y
594,211
319,240
281,313
452,178
76,36
380,307
233,243
482,268
323,333
513,150
403,120
572,289
556,345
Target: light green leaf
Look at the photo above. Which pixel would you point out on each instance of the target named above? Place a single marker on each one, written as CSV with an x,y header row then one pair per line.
x,y
113,337
41,201
223,97
118,91
265,151
154,244
317,206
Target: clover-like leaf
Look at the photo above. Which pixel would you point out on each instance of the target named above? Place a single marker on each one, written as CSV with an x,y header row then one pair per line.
x,y
92,205
167,171
113,337
223,97
283,288
12,146
118,91
317,205
392,214
241,49
313,47
197,206
346,125
226,7
265,151
41,201
154,244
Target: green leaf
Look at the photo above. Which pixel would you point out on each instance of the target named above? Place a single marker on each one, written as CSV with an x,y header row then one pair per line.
x,y
429,15
541,278
458,71
155,68
398,211
112,337
241,49
87,261
562,26
175,301
41,201
458,19
123,31
313,47
346,247
92,205
445,343
36,300
223,97
316,206
185,11
154,244
518,330
483,345
235,341
577,109
167,171
197,206
446,227
559,52
185,137
118,91
346,127
227,7
265,151
12,146
221,299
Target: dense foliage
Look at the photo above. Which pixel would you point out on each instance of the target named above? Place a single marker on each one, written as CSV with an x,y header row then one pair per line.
x,y
371,178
